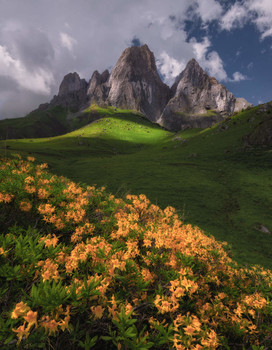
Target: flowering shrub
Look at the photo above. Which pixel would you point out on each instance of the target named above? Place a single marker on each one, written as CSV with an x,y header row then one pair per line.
x,y
80,268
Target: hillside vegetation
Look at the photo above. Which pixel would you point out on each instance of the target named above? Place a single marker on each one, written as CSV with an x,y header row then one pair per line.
x,y
81,268
214,177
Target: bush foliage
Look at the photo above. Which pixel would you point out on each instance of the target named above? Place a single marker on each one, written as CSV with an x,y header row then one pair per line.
x,y
80,268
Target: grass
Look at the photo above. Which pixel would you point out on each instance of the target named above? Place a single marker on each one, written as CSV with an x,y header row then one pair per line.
x,y
213,180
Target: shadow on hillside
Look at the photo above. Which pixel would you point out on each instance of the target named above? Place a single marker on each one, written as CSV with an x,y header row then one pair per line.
x,y
73,146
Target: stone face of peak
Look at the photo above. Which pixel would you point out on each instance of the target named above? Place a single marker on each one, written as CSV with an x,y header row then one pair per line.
x,y
98,87
198,100
71,83
135,83
72,92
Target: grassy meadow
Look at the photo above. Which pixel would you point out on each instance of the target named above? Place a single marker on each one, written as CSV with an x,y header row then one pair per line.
x,y
210,176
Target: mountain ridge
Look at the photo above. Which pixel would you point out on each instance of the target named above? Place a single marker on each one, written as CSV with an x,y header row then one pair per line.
x,y
194,100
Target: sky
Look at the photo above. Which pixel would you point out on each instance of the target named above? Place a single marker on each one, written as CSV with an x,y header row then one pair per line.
x,y
43,40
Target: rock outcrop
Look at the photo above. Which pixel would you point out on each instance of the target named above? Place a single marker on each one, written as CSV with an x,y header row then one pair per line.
x,y
135,83
72,92
195,100
98,88
198,100
241,104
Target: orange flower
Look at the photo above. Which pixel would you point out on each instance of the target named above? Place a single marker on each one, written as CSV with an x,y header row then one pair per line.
x,y
212,341
42,193
20,310
5,197
30,189
189,330
64,323
46,209
29,179
97,311
2,252
49,270
25,206
50,240
43,166
21,332
31,318
50,325
129,308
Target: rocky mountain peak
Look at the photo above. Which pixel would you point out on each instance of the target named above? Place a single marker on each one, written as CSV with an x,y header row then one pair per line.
x,y
71,83
135,83
98,88
72,92
197,100
134,63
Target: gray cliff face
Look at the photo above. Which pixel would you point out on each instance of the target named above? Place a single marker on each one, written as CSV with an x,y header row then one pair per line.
x,y
197,100
98,88
72,92
241,104
135,83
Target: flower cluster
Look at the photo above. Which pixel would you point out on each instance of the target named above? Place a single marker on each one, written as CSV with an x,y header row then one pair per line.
x,y
98,268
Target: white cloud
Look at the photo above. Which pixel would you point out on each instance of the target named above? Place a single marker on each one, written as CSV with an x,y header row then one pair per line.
x,y
214,66
208,10
37,81
237,76
209,60
169,67
235,17
212,62
200,48
263,10
67,41
258,12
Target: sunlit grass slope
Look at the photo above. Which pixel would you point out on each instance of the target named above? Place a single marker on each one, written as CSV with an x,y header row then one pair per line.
x,y
212,178
114,131
82,268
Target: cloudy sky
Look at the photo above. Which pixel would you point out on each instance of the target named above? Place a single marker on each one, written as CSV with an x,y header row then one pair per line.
x,y
42,40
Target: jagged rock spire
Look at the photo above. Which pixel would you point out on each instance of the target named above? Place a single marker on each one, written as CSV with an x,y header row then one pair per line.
x,y
136,84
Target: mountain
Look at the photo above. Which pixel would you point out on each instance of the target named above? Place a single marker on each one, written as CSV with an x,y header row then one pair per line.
x,y
72,92
98,87
195,100
198,100
135,83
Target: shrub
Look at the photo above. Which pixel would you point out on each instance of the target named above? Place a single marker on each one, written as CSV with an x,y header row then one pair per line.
x,y
80,268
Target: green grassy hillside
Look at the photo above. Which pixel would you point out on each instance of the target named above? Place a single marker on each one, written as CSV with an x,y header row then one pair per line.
x,y
46,123
214,177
